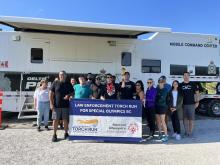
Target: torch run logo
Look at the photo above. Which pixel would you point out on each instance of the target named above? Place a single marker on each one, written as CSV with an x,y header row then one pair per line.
x,y
133,128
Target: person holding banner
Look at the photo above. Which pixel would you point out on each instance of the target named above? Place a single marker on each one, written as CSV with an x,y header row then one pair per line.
x,y
140,95
60,93
150,106
161,103
42,104
110,90
82,90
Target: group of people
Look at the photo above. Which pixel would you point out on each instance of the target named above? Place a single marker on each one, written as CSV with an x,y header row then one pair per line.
x,y
158,102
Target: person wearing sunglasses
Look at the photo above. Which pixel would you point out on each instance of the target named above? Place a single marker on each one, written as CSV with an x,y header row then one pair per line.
x,y
161,109
150,106
97,87
110,90
175,105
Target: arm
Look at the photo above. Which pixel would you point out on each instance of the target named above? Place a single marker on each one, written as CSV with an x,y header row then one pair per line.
x,y
197,97
51,97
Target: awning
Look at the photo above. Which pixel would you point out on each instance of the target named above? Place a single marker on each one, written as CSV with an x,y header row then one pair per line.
x,y
75,27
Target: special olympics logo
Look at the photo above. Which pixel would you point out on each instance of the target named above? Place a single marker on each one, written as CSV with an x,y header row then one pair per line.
x,y
133,127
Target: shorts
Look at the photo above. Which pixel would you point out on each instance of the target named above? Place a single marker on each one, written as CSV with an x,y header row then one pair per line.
x,y
161,110
60,113
189,112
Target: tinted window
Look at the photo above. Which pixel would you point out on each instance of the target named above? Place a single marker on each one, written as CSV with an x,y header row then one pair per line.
x,y
126,59
177,69
151,66
203,71
36,55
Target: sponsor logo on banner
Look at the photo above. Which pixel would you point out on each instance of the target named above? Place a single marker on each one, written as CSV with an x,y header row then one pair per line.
x,y
133,128
117,128
86,126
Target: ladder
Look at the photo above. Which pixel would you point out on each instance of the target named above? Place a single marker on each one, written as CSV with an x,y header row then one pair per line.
x,y
27,109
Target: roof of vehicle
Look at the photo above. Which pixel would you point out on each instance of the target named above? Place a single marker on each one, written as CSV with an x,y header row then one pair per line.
x,y
75,27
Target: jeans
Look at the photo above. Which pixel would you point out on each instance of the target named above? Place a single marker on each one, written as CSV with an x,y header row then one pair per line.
x,y
43,111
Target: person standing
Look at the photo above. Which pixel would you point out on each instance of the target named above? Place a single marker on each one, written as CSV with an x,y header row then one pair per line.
x,y
60,93
97,88
190,103
150,106
42,104
161,103
110,90
82,90
127,87
175,105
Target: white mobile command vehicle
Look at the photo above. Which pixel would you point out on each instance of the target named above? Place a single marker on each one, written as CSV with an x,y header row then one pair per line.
x,y
40,48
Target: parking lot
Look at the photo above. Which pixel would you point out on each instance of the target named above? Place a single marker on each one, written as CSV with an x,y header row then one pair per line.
x,y
20,143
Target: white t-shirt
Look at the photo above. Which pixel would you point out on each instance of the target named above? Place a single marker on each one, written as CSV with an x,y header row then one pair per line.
x,y
174,98
42,95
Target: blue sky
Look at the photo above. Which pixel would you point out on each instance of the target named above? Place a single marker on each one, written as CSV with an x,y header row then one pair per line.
x,y
196,16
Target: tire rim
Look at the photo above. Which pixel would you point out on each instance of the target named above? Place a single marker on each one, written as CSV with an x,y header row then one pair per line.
x,y
216,109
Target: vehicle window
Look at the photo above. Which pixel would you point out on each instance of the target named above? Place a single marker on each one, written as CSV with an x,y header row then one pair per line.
x,y
36,55
151,66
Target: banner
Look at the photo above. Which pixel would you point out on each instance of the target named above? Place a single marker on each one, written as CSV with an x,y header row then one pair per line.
x,y
109,120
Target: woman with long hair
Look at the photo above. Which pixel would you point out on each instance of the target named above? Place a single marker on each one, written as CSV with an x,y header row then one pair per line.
x,y
161,109
175,105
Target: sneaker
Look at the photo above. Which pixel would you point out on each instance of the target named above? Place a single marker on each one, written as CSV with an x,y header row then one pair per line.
x,y
54,139
159,137
191,136
38,129
61,126
47,128
178,137
165,138
66,135
174,135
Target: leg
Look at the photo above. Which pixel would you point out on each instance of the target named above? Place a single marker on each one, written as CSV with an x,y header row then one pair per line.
x,y
152,117
55,126
191,124
158,120
46,114
164,126
173,121
177,122
39,114
65,115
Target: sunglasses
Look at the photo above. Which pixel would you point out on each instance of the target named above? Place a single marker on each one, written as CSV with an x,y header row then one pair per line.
x,y
109,77
149,82
98,79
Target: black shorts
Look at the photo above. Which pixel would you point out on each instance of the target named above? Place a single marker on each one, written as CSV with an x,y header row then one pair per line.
x,y
161,110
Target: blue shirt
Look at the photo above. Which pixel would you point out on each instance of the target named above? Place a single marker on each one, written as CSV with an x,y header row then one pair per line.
x,y
82,92
167,87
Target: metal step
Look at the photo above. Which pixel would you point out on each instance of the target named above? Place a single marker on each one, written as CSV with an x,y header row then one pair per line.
x,y
28,103
28,117
29,110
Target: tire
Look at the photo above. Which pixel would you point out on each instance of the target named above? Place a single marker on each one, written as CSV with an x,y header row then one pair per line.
x,y
218,88
214,108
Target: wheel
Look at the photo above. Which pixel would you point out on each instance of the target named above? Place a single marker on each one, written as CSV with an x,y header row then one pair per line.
x,y
218,88
214,108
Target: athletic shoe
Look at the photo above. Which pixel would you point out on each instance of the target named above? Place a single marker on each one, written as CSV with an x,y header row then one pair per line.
x,y
165,138
54,139
66,135
174,135
178,137
38,129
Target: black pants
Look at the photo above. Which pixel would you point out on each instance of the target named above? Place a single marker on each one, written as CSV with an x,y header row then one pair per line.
x,y
175,122
150,112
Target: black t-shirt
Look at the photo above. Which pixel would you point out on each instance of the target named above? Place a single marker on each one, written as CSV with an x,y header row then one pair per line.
x,y
128,91
188,90
110,93
61,89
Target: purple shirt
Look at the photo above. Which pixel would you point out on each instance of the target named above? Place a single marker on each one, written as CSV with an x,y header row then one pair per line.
x,y
150,97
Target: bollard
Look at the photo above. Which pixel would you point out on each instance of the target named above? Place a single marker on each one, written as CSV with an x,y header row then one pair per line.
x,y
1,116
